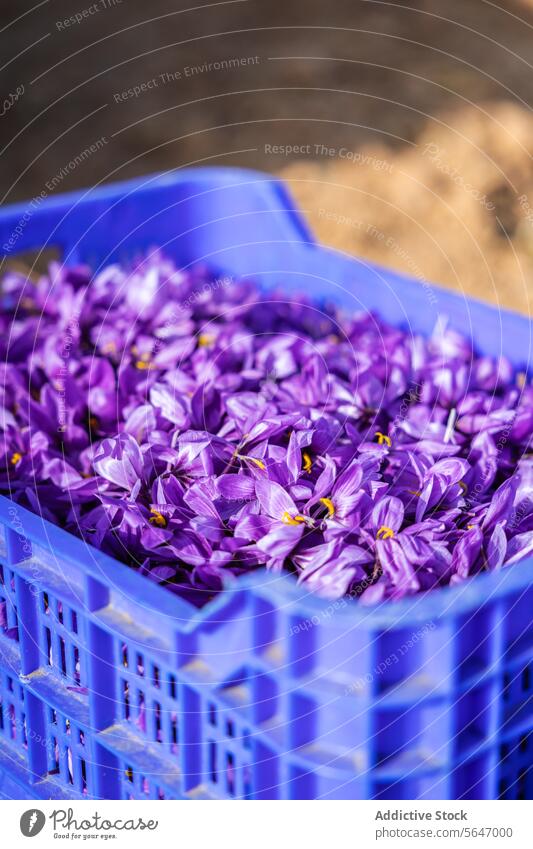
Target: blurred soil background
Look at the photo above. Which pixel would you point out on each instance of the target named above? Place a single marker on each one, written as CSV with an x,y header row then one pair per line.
x,y
404,130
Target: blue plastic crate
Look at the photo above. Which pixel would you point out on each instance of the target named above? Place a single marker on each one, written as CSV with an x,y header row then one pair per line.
x,y
110,687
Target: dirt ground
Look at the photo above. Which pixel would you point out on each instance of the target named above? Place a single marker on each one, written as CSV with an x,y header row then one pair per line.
x,y
404,130
453,209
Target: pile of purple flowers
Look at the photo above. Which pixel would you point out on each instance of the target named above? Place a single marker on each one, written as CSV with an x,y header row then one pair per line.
x,y
197,430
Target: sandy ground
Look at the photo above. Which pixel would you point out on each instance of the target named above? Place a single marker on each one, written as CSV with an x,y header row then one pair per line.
x,y
412,121
453,208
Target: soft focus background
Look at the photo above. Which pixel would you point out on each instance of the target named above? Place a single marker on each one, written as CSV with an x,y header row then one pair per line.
x,y
404,130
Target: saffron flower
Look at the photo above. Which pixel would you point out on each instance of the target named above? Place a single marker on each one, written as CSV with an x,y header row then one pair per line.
x,y
197,430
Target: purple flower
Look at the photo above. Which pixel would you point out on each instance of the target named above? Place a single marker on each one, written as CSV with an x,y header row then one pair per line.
x,y
330,569
120,461
196,431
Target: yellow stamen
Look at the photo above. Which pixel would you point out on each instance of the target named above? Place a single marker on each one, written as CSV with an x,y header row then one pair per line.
x,y
205,339
414,492
463,486
110,348
287,519
327,502
158,518
383,439
259,463
16,458
469,527
142,365
521,379
384,532
307,462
